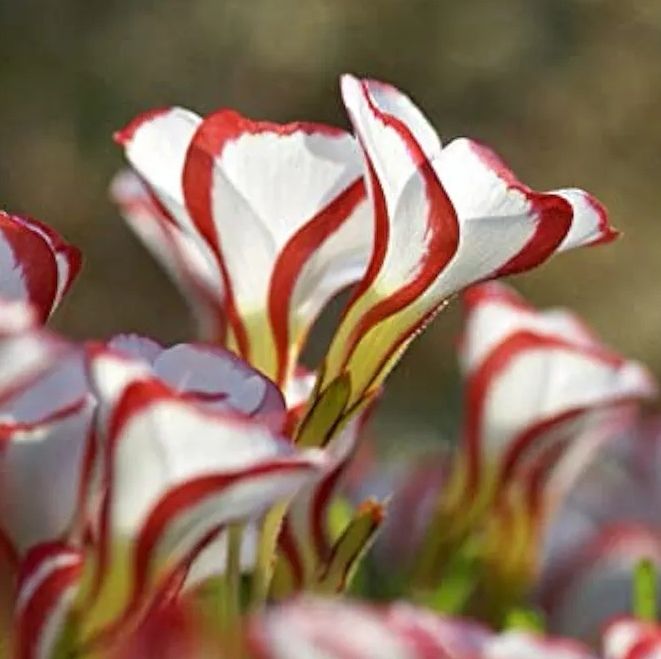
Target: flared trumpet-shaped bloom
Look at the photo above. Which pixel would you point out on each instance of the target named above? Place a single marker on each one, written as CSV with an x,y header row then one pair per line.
x,y
541,394
37,265
445,218
278,211
175,474
535,383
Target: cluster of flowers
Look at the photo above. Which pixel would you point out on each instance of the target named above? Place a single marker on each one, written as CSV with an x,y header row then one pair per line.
x,y
176,501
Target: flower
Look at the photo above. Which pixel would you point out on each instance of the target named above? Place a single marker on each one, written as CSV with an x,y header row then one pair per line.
x,y
174,474
541,393
278,211
445,218
38,266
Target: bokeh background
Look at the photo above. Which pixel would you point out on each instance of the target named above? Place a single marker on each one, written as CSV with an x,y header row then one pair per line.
x,y
568,91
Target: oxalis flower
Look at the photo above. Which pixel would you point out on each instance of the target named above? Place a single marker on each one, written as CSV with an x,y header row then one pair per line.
x,y
541,394
175,470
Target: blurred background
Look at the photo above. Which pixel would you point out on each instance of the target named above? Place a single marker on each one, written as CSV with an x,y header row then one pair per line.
x,y
567,91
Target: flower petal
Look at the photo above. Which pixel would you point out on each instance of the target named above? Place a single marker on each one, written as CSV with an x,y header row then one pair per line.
x,y
197,279
51,451
47,586
37,266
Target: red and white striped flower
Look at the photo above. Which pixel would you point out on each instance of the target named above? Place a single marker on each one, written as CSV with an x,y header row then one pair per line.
x,y
278,211
445,218
175,474
37,265
536,382
542,393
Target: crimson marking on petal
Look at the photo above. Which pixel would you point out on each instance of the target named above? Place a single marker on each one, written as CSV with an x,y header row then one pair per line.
x,y
33,615
517,448
294,256
381,224
126,134
607,232
35,260
442,245
320,502
554,222
209,141
72,254
554,215
287,544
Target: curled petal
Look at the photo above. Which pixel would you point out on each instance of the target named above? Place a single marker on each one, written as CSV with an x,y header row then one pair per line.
x,y
210,376
37,266
189,267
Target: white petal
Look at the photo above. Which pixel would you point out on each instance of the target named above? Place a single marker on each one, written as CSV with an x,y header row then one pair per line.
x,y
51,452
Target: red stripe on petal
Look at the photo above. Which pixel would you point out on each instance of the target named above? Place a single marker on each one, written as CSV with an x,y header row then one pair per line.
x,y
207,143
287,545
183,497
553,212
293,258
443,227
34,612
554,222
34,259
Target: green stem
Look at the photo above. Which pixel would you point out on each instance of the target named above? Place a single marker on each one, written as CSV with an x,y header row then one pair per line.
x,y
233,574
645,591
261,578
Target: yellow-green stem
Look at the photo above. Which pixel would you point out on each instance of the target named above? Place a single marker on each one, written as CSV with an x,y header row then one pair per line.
x,y
263,571
233,575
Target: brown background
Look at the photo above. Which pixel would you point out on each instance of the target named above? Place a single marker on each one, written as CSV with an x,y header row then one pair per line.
x,y
568,91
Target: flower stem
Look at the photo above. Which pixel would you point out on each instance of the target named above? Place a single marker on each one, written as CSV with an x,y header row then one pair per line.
x,y
261,578
233,574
